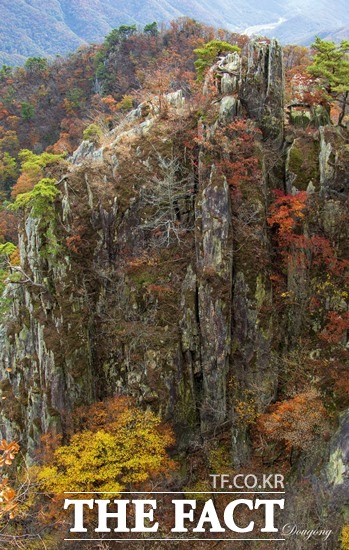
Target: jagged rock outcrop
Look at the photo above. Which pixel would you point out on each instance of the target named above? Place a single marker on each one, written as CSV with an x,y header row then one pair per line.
x,y
104,320
262,90
155,277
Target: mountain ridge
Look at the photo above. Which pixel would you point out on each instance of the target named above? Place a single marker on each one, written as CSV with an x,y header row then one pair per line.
x,y
33,28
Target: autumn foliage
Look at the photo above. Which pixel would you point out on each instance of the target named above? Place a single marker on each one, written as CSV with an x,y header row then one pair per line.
x,y
235,148
336,327
116,445
287,216
7,493
296,422
287,212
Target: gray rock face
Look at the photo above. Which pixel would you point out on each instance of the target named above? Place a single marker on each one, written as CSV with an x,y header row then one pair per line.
x,y
333,162
262,90
230,70
229,109
45,359
214,265
338,467
87,151
336,472
326,170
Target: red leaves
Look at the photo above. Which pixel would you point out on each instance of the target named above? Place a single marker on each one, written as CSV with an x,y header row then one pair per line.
x,y
234,146
336,327
287,212
324,254
243,167
286,215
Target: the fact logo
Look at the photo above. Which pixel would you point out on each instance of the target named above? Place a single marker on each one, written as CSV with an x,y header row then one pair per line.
x,y
140,516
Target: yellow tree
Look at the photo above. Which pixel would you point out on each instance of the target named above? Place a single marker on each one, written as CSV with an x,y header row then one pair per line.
x,y
127,449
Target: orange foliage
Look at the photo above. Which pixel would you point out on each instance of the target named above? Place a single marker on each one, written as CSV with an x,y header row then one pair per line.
x,y
62,145
3,112
110,103
49,443
15,258
9,451
24,184
286,212
296,422
7,493
96,416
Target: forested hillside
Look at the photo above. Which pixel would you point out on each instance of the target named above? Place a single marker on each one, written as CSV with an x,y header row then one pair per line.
x,y
48,105
174,278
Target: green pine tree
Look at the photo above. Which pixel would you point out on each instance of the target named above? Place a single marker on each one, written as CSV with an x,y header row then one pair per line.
x,y
331,66
208,53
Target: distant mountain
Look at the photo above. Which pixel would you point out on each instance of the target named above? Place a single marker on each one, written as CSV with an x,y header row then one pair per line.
x,y
305,19
47,28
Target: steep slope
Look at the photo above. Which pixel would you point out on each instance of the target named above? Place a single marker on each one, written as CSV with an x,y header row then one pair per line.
x,y
196,260
129,230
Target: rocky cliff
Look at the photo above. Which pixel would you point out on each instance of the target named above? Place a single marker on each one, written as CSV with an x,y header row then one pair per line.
x,y
161,276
